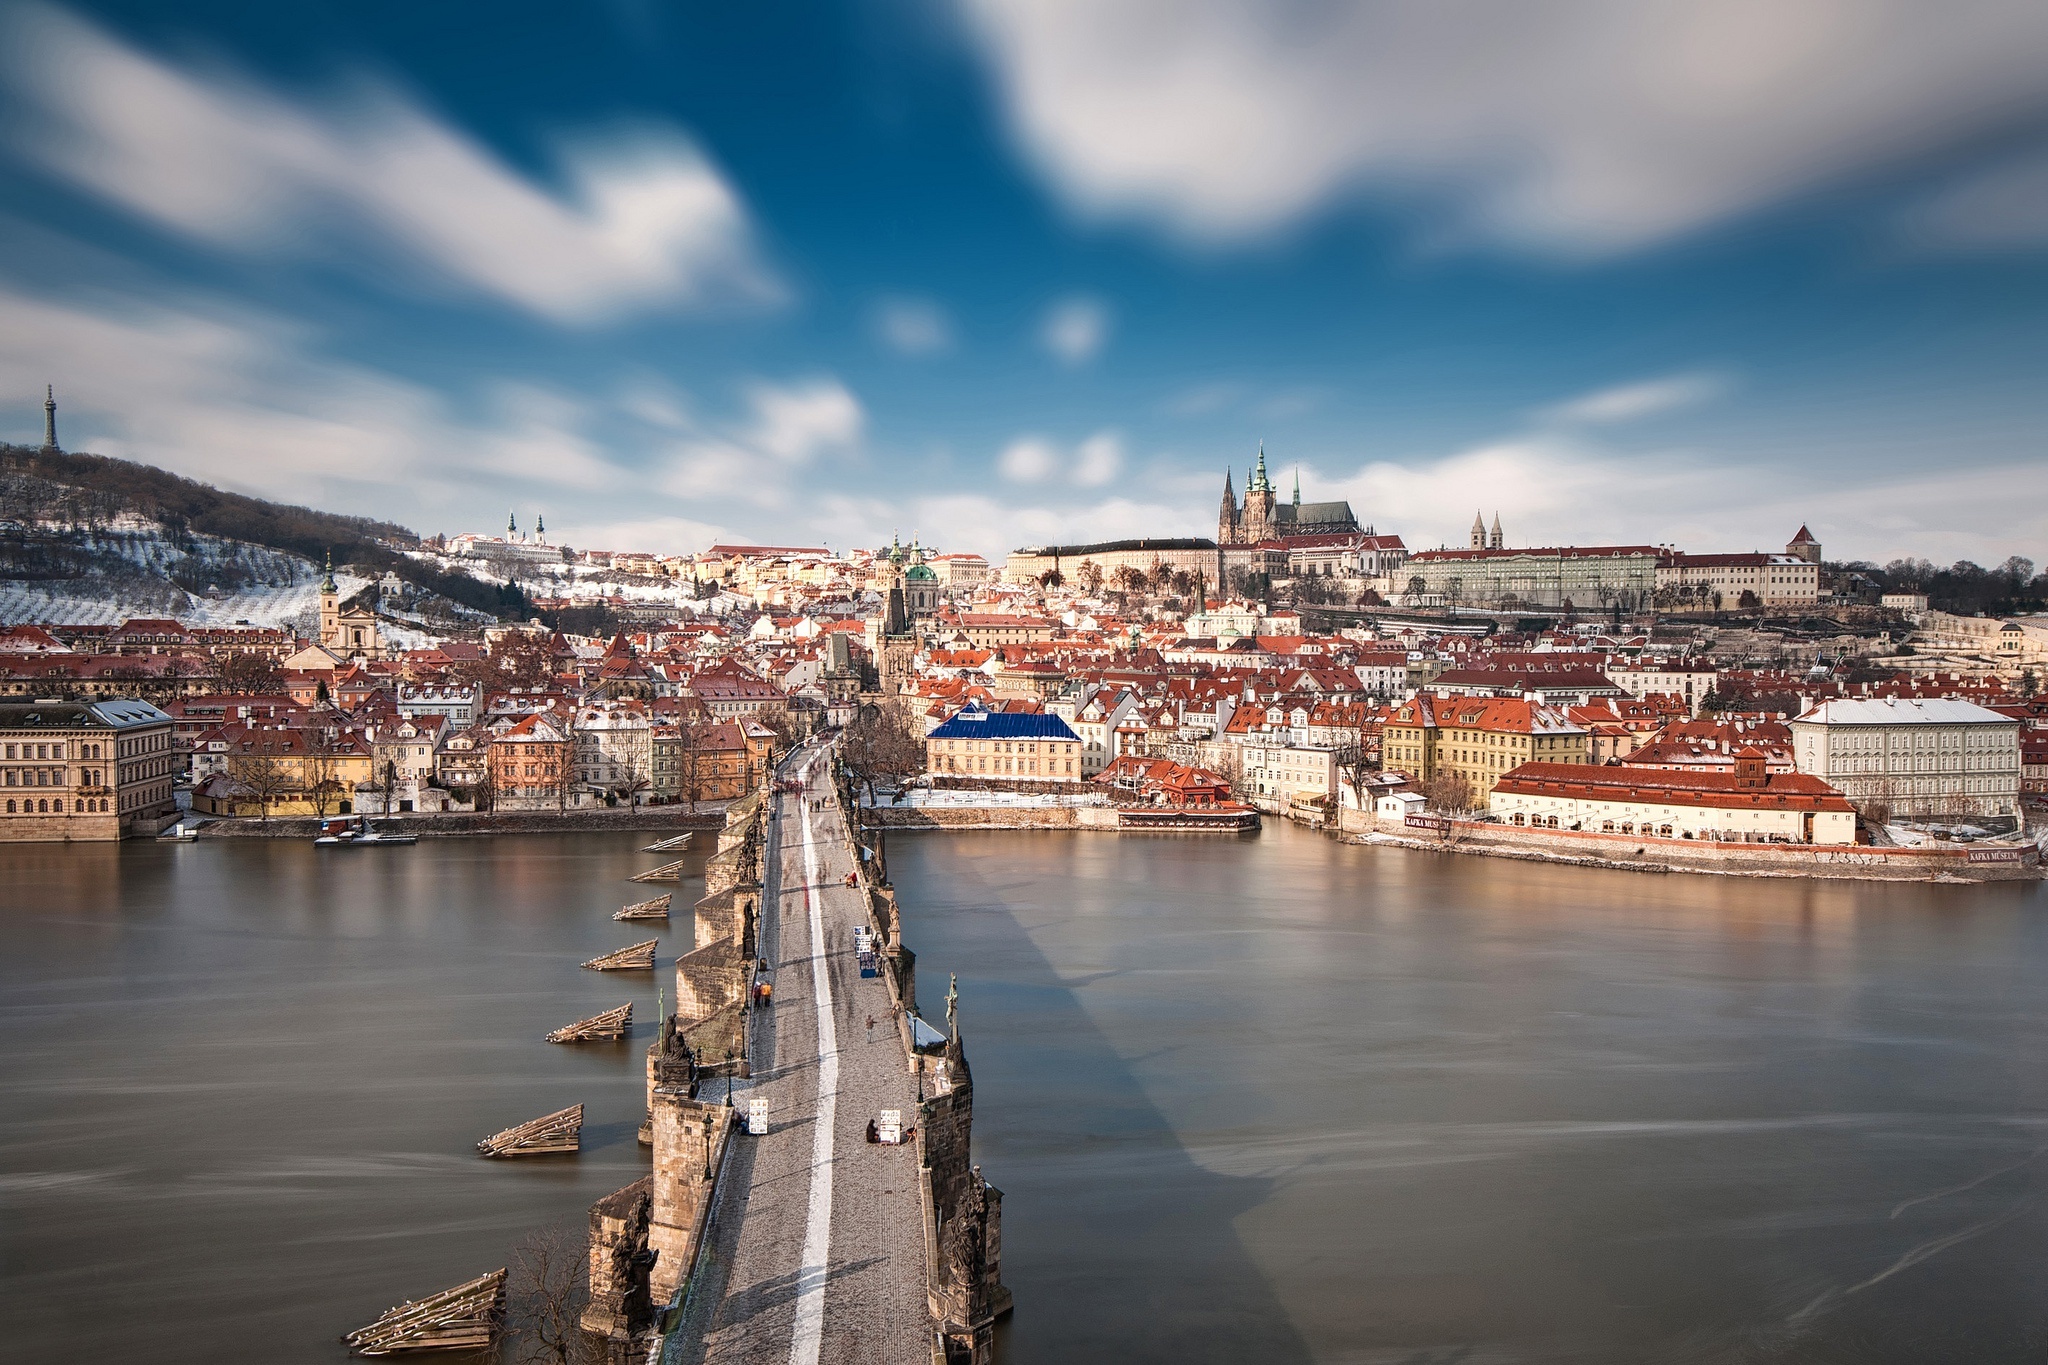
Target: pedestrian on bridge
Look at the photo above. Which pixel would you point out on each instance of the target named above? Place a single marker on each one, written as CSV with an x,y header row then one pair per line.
x,y
871,1028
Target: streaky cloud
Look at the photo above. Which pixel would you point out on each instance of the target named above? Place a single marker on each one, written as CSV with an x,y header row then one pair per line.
x,y
642,219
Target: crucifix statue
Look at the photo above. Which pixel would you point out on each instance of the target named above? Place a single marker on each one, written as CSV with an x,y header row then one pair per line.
x,y
953,1006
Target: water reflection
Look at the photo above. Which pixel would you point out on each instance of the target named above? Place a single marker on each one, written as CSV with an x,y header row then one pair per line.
x,y
240,1081
1454,1108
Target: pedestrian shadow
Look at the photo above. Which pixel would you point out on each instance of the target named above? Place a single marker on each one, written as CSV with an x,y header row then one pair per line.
x,y
1118,1245
746,1302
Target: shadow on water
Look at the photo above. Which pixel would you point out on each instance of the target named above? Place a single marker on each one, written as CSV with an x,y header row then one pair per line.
x,y
1118,1244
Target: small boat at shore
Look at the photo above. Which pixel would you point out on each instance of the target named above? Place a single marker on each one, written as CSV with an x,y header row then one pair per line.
x,y
359,833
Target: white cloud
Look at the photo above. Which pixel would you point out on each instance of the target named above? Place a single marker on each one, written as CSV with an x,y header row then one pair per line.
x,y
753,458
243,400
642,218
2003,207
1644,398
798,421
1075,329
1572,126
1093,463
1554,491
913,327
1098,460
1028,460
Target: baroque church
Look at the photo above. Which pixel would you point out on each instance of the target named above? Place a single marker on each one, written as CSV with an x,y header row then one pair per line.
x,y
1262,516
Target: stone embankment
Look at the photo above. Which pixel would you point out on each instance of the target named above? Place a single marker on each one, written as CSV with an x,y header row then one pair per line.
x,y
1641,853
990,817
675,819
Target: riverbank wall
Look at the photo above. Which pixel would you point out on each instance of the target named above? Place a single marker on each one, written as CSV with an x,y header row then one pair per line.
x,y
1640,853
989,817
673,819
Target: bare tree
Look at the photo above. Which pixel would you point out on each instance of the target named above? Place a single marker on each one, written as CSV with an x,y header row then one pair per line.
x,y
318,769
548,1289
1090,575
1355,764
882,742
1449,792
261,773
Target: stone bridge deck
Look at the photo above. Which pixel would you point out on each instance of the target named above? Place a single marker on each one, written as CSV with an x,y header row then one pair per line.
x,y
817,1248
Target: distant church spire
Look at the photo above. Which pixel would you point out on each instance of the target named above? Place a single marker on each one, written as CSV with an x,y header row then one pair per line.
x,y
327,580
511,526
1478,530
540,529
1297,485
1260,483
1497,542
50,417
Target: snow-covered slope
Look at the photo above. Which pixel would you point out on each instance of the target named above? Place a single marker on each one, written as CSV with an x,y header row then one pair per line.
x,y
132,568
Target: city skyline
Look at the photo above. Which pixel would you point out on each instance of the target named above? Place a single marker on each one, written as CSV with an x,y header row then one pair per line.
x,y
997,275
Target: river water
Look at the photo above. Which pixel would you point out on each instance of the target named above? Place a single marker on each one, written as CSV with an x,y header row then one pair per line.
x,y
1270,1098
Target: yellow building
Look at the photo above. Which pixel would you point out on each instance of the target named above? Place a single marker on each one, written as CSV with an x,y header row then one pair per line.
x,y
1478,738
264,772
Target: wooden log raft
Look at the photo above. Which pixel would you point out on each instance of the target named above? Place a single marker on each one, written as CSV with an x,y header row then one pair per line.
x,y
598,1027
654,909
667,872
561,1131
680,841
638,958
467,1317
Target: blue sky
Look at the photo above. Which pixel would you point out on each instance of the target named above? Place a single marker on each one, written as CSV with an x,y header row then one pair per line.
x,y
1001,271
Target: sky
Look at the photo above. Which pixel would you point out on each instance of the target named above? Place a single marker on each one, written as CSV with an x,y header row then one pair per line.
x,y
992,273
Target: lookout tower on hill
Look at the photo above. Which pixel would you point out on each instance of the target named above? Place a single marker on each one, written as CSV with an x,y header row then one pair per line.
x,y
50,419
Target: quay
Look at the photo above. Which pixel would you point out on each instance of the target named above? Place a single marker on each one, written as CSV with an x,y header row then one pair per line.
x,y
809,1241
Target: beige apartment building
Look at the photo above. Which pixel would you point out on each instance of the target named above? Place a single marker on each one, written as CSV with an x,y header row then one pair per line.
x,y
84,770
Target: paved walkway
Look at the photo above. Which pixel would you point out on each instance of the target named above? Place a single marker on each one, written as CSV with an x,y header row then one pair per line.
x,y
817,1253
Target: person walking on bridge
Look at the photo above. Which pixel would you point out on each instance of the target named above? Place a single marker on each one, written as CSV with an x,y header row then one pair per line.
x,y
871,1028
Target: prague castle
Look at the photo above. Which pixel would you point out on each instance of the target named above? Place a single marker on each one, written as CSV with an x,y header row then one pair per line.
x,y
1262,516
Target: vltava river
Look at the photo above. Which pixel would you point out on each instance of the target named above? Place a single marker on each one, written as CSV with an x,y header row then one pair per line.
x,y
1269,1099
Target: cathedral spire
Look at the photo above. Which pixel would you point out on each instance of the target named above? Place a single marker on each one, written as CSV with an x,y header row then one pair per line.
x,y
1260,483
1297,485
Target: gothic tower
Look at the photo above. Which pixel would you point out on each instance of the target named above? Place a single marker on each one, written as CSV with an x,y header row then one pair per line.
x,y
1497,543
1226,520
1259,499
1478,531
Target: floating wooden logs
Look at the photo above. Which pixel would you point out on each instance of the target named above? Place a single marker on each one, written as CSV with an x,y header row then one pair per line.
x,y
680,841
638,958
466,1317
598,1027
667,872
654,909
561,1131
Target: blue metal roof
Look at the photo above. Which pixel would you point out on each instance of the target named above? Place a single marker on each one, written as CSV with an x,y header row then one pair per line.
x,y
974,723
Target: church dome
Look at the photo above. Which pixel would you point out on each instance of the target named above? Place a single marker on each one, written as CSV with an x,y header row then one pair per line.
x,y
919,573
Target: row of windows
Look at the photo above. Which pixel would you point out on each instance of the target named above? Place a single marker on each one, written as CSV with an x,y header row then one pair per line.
x,y
57,751
46,806
1013,766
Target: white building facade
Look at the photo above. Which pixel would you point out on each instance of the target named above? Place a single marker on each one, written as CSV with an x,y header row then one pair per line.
x,y
1918,759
